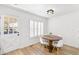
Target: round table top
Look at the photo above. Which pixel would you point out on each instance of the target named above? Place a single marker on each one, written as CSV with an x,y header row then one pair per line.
x,y
52,37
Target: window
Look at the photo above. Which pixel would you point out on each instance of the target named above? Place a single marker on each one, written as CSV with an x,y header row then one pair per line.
x,y
31,28
10,25
36,28
0,25
41,29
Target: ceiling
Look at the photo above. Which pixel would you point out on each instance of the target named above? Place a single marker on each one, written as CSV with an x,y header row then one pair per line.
x,y
40,9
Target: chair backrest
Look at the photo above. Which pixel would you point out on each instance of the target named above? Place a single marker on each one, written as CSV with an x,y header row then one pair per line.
x,y
41,40
60,43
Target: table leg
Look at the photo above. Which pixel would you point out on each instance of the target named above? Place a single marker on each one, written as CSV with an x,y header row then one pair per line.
x,y
50,46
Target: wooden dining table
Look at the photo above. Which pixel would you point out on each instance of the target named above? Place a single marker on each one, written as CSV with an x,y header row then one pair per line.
x,y
51,39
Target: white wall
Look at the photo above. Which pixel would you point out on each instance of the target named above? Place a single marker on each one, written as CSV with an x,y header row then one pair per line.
x,y
12,42
66,26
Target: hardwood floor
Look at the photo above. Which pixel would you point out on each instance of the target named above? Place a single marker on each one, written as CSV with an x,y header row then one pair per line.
x,y
37,49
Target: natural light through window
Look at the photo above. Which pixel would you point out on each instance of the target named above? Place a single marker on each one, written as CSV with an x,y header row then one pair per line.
x,y
36,28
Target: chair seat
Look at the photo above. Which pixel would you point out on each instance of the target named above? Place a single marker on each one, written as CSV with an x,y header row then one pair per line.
x,y
58,43
43,41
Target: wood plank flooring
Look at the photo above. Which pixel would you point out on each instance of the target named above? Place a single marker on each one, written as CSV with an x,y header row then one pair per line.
x,y
37,49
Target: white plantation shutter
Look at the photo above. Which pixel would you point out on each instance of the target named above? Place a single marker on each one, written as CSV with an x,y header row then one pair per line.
x,y
31,29
36,28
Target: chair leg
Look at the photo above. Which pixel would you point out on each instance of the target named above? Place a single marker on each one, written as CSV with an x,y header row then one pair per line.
x,y
57,50
53,48
45,46
41,44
